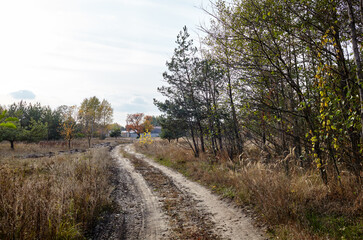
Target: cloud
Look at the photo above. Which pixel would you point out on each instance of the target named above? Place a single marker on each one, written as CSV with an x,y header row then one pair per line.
x,y
138,104
138,101
23,94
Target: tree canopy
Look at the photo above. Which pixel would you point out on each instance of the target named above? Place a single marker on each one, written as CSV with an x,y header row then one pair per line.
x,y
281,74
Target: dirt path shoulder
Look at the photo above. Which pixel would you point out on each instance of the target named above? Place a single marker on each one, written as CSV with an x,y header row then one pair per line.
x,y
226,220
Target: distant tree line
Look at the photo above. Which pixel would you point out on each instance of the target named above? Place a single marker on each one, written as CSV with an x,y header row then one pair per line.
x,y
33,122
282,74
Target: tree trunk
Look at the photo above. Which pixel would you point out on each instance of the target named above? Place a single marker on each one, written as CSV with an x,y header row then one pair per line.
x,y
196,148
356,58
12,144
201,136
359,73
234,116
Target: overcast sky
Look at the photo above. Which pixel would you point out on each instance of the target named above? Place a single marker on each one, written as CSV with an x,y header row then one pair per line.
x,y
58,52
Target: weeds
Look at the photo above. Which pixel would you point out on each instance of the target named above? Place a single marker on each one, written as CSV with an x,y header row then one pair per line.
x,y
298,206
52,198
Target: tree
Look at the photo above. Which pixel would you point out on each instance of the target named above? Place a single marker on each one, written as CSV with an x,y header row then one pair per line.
x,y
36,131
116,132
44,114
182,92
105,114
54,119
68,125
155,121
12,134
8,128
147,125
134,123
89,116
171,129
292,76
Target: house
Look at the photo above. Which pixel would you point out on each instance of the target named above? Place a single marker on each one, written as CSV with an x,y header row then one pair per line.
x,y
130,134
156,131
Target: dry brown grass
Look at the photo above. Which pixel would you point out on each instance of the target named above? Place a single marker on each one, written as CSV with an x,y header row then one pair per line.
x,y
52,198
22,148
298,206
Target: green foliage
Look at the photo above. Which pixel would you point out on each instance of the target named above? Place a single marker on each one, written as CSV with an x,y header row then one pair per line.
x,y
94,115
26,112
116,132
7,122
12,134
337,227
8,125
36,131
171,129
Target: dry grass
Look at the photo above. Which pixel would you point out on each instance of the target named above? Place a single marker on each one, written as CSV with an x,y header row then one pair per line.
x,y
298,206
22,148
52,198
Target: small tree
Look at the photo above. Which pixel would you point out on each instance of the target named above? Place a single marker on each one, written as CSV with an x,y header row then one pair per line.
x,y
68,126
89,116
8,128
172,129
134,123
105,112
115,132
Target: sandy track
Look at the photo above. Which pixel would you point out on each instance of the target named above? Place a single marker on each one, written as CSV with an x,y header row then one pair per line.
x,y
230,222
144,218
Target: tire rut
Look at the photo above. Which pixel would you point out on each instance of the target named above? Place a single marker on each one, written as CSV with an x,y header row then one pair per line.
x,y
142,213
218,219
186,219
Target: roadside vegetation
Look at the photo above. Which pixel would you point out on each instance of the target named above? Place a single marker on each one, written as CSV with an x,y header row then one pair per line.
x,y
298,206
57,197
270,109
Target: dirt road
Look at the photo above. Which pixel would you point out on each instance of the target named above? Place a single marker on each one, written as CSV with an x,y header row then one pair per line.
x,y
159,203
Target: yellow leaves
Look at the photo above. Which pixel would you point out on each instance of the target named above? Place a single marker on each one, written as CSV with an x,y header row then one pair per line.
x,y
145,138
335,144
317,161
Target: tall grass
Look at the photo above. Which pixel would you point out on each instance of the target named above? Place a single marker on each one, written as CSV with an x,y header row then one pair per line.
x,y
53,198
297,206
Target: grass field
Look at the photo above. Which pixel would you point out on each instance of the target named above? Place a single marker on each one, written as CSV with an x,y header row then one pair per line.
x,y
55,197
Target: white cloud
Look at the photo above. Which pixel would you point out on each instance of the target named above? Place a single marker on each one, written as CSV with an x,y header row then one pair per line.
x,y
23,95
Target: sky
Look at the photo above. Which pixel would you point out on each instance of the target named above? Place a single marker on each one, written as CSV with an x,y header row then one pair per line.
x,y
59,52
